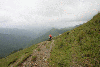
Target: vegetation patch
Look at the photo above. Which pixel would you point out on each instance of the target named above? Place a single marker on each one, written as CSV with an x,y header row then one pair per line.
x,y
78,47
12,61
34,58
26,52
39,49
48,45
23,59
75,48
16,57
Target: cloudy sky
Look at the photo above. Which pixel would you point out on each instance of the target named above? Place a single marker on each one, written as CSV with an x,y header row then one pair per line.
x,y
46,13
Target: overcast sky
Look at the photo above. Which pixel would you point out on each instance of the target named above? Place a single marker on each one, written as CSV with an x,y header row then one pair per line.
x,y
46,13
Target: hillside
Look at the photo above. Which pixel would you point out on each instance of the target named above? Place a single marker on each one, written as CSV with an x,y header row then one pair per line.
x,y
79,47
55,32
12,40
33,33
10,43
18,32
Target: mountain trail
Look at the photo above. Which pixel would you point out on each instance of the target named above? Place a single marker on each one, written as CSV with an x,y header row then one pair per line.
x,y
41,55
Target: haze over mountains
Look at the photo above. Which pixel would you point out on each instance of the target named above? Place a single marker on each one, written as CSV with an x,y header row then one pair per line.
x,y
27,22
22,32
13,39
79,47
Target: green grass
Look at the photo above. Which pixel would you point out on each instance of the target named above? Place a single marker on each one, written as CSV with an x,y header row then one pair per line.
x,y
34,58
39,49
9,60
48,45
80,45
23,59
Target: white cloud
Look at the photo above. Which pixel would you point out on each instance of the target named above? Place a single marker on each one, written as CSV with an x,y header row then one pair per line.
x,y
37,13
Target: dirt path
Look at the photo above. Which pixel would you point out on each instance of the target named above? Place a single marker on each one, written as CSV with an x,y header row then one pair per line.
x,y
42,56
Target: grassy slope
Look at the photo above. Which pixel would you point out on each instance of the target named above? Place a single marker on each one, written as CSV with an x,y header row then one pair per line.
x,y
78,47
21,55
53,32
9,43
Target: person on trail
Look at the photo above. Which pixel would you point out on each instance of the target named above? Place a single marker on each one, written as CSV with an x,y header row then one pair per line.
x,y
50,36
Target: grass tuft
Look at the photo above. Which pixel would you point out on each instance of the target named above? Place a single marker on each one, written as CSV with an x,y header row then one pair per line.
x,y
34,58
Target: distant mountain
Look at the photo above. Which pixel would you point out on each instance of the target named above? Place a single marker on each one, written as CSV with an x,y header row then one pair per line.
x,y
79,47
9,43
54,32
18,32
33,33
15,39
40,31
78,25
